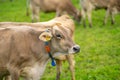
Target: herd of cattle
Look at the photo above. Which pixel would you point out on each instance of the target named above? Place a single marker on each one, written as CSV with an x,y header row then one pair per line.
x,y
65,6
22,45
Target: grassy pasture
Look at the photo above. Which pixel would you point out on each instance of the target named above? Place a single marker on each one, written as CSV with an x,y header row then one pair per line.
x,y
99,58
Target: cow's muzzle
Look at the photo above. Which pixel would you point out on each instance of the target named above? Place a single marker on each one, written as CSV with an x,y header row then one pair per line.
x,y
75,49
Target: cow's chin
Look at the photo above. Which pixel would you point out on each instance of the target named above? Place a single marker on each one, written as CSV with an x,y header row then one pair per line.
x,y
70,51
57,54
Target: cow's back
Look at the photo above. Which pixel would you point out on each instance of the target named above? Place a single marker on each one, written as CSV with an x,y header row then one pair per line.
x,y
96,4
50,5
100,3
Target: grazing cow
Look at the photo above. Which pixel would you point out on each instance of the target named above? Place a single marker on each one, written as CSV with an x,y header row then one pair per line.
x,y
66,22
23,52
58,6
113,8
88,5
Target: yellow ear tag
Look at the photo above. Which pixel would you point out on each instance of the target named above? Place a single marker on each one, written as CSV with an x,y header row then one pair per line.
x,y
48,38
45,36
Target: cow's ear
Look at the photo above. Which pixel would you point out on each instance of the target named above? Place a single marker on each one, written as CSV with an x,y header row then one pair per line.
x,y
46,35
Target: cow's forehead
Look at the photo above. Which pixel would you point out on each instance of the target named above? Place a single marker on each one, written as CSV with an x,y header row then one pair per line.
x,y
62,29
56,27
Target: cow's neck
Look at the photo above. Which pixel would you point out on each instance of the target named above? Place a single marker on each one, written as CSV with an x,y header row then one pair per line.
x,y
40,53
47,48
72,10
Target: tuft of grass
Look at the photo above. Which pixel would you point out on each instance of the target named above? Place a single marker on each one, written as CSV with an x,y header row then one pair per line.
x,y
99,58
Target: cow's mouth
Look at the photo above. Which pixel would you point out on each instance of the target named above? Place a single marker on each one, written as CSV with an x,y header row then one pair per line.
x,y
74,49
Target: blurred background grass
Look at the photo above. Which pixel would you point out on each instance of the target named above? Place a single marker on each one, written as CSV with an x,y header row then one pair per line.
x,y
99,58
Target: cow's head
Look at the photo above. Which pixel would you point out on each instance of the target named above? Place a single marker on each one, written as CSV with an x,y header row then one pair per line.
x,y
77,16
60,40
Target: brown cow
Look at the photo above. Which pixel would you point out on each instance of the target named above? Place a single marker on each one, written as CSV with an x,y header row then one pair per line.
x,y
66,22
88,5
58,6
22,49
113,8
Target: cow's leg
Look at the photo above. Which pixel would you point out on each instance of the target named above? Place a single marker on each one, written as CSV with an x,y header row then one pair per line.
x,y
14,72
26,78
112,18
58,12
106,16
33,76
89,17
14,75
83,17
35,12
29,78
71,61
112,13
7,77
1,77
58,68
34,72
27,7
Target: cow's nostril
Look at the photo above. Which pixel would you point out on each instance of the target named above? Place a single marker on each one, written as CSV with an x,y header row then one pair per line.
x,y
76,48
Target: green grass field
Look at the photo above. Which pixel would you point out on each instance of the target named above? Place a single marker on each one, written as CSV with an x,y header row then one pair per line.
x,y
99,58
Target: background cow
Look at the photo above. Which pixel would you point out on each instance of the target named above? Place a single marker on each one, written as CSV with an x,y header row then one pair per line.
x,y
67,22
58,6
88,5
113,8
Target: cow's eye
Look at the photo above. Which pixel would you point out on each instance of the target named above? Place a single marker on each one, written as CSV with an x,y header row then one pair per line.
x,y
58,36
